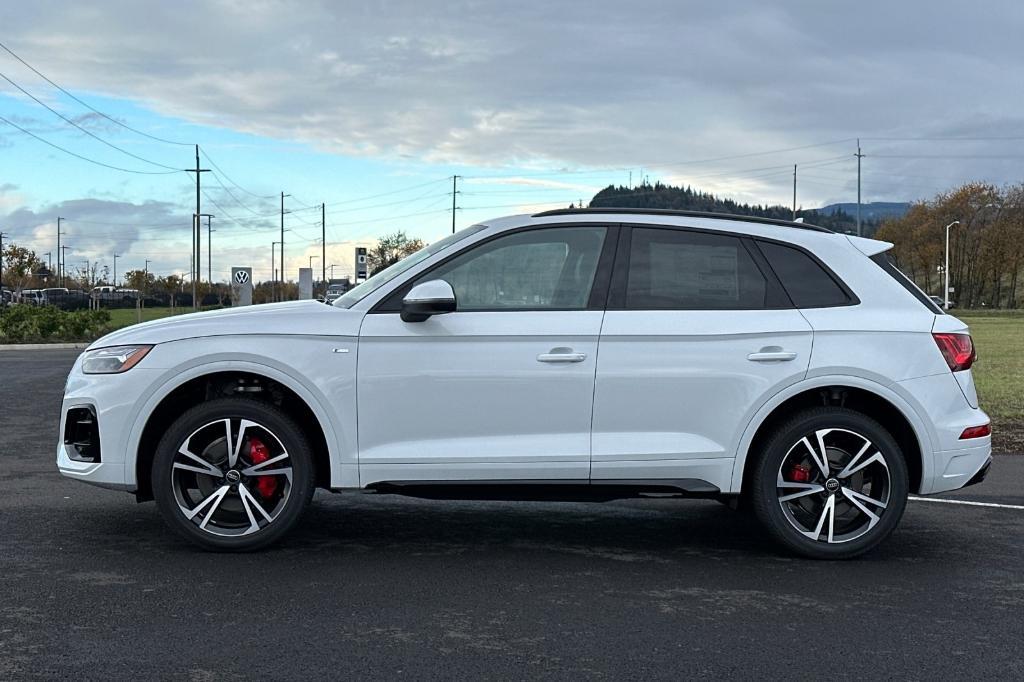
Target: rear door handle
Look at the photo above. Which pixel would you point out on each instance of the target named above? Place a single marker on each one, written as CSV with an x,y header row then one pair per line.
x,y
765,355
561,355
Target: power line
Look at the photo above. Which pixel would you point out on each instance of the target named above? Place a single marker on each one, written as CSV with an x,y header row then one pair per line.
x,y
85,158
82,128
228,178
89,106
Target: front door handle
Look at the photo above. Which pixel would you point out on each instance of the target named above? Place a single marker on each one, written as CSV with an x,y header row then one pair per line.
x,y
561,355
772,354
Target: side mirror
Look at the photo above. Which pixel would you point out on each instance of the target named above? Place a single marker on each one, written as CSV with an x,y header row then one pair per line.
x,y
435,297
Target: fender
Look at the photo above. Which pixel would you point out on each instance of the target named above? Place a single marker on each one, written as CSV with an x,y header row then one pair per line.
x,y
925,439
343,469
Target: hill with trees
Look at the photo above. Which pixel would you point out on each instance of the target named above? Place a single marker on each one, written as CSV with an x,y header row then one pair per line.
x,y
660,196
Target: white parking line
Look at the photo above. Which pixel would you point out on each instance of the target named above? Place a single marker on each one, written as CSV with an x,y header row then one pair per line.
x,y
968,503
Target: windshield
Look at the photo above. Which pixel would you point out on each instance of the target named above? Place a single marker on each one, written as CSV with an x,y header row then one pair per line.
x,y
361,291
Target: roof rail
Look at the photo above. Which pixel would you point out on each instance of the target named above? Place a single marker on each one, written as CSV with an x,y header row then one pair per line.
x,y
685,214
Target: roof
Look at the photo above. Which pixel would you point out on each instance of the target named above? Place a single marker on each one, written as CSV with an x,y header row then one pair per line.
x,y
685,214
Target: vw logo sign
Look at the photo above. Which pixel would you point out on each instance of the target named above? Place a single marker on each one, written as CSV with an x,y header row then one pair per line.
x,y
241,277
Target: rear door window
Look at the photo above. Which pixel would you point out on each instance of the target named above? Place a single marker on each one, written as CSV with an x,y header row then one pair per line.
x,y
681,270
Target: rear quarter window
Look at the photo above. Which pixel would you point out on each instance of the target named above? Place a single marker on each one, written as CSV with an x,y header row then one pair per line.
x,y
887,262
807,282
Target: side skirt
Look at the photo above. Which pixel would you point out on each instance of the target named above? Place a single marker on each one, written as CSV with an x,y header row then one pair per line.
x,y
579,490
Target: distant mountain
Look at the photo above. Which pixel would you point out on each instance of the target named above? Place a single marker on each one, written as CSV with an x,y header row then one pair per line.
x,y
838,217
875,211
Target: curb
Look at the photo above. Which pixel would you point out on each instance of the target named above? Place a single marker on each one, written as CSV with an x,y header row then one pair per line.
x,y
42,346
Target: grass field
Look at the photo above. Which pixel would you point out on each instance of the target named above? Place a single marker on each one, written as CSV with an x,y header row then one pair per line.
x,y
123,317
999,372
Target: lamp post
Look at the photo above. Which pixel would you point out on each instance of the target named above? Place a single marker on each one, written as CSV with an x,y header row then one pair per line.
x,y
945,269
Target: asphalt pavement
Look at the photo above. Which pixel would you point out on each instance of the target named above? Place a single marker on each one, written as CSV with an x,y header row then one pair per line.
x,y
93,585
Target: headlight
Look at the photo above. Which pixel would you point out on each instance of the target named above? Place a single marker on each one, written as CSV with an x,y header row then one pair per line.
x,y
113,360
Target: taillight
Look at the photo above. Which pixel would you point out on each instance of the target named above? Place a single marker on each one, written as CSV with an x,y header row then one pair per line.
x,y
976,432
957,349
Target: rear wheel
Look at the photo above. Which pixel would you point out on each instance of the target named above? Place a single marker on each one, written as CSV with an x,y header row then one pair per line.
x,y
233,474
831,484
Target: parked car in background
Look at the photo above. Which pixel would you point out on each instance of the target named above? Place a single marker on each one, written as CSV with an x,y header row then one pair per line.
x,y
32,297
572,354
336,289
112,294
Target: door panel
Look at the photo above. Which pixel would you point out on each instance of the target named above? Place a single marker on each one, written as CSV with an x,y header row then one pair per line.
x,y
678,384
697,337
504,386
473,389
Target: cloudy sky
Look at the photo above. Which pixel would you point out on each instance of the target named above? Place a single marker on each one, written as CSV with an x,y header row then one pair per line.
x,y
371,107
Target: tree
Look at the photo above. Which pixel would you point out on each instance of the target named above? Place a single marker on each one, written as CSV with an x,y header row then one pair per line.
x,y
20,266
139,280
986,246
390,249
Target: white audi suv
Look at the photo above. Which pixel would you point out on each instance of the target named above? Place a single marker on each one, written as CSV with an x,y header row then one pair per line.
x,y
586,354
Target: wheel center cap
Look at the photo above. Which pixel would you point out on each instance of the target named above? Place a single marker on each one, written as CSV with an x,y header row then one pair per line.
x,y
233,476
832,485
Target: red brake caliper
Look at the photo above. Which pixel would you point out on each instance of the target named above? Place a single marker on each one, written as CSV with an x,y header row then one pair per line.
x,y
800,473
259,454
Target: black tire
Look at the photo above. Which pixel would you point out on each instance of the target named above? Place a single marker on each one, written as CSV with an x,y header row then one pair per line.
x,y
785,445
168,490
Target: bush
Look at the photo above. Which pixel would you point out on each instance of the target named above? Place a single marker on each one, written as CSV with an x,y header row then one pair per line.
x,y
25,323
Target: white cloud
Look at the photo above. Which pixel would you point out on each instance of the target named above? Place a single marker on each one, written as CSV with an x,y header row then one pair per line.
x,y
535,83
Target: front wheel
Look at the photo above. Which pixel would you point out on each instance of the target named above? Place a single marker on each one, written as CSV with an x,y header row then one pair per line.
x,y
831,483
233,474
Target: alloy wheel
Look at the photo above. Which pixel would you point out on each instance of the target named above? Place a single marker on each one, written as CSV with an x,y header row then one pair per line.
x,y
231,477
833,485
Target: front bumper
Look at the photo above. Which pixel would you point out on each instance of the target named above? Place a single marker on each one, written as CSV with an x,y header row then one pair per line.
x,y
115,400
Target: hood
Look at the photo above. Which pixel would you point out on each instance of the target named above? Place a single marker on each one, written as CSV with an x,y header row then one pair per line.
x,y
310,318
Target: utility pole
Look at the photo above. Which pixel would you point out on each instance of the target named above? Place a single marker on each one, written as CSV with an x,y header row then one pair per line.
x,y
209,249
2,235
283,195
63,261
49,261
323,246
60,269
455,191
196,228
209,246
794,191
859,157
273,272
115,270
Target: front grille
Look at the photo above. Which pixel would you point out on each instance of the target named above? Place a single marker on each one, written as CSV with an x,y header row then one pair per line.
x,y
82,435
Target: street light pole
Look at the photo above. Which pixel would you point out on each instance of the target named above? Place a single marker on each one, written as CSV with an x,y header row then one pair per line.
x,y
945,270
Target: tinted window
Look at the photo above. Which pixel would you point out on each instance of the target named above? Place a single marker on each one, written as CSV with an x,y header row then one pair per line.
x,y
888,263
550,268
808,284
681,270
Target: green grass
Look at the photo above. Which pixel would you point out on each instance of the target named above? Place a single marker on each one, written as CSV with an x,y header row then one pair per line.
x,y
999,372
125,317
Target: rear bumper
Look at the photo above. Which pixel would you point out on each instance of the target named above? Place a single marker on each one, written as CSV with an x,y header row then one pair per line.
x,y
981,475
958,468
